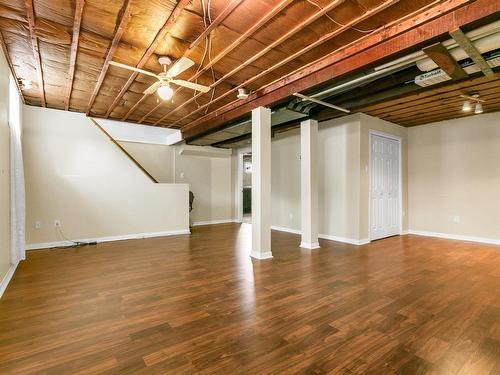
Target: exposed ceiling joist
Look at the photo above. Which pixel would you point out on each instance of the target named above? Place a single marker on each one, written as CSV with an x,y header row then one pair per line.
x,y
176,12
442,57
218,20
295,55
36,51
124,18
74,50
297,28
237,42
11,67
465,43
414,30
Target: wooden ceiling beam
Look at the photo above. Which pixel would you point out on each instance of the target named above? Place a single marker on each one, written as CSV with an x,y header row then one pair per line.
x,y
429,92
35,47
162,33
124,18
11,67
237,42
262,52
218,20
292,57
74,50
443,59
402,35
471,50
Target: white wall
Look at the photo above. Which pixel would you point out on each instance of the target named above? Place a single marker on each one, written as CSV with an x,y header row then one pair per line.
x,y
4,169
74,173
454,170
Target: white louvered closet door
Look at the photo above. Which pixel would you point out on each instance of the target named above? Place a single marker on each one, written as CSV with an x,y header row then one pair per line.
x,y
384,184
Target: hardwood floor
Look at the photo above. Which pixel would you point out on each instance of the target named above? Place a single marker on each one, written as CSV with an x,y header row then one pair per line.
x,y
199,304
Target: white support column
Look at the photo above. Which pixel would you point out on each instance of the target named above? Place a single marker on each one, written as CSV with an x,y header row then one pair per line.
x,y
309,183
261,183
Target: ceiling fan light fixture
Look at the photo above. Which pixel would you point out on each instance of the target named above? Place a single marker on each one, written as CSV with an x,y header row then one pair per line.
x,y
478,109
165,92
466,107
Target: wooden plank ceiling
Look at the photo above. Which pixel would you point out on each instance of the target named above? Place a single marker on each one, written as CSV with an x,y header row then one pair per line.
x,y
60,50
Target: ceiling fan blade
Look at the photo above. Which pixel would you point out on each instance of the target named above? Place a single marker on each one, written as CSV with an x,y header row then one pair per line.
x,y
152,89
191,85
120,65
179,66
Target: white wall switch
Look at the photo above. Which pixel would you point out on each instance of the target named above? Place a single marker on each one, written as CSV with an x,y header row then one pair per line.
x,y
38,225
456,219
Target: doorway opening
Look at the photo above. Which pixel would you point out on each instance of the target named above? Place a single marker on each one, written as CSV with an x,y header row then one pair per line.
x,y
246,192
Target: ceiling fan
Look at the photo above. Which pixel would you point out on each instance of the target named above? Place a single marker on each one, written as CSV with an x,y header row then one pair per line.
x,y
165,78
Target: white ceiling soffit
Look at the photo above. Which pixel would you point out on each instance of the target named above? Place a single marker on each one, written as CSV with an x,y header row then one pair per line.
x,y
213,152
129,132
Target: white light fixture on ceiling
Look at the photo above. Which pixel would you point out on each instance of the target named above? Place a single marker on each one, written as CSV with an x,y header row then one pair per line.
x,y
165,92
467,106
472,99
242,93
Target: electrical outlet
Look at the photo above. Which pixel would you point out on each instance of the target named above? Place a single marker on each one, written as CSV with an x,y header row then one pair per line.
x,y
38,225
456,219
57,223
290,216
182,174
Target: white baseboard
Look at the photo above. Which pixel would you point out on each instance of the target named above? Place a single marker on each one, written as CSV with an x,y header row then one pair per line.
x,y
212,222
136,236
309,245
6,279
325,236
349,241
490,241
262,256
288,230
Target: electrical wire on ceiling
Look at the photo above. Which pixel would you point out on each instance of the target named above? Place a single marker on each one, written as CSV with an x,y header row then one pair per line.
x,y
210,54
338,23
207,20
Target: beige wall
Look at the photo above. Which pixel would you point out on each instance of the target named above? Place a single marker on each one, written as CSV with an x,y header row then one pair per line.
x,y
158,160
209,178
454,170
4,169
338,178
343,156
75,174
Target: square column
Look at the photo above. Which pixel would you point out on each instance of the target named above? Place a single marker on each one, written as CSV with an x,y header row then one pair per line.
x,y
261,183
309,183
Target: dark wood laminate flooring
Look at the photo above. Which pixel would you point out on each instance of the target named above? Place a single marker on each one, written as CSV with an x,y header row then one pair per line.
x,y
199,304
